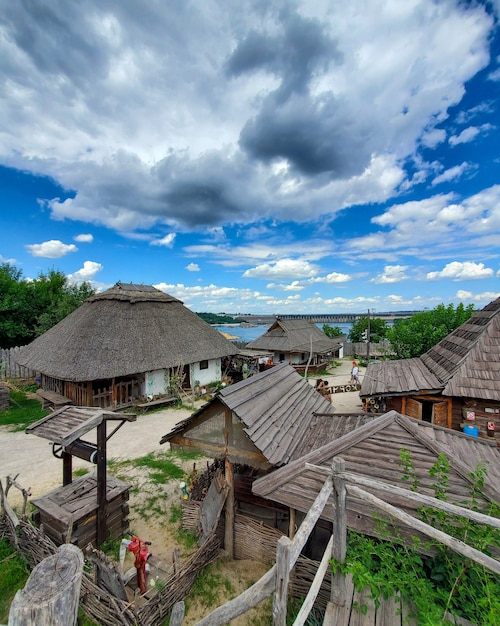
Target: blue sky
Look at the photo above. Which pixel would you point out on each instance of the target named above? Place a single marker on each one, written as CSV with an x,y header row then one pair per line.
x,y
255,157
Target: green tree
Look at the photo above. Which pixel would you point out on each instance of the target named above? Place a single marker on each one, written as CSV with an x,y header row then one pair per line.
x,y
30,307
378,329
332,331
422,331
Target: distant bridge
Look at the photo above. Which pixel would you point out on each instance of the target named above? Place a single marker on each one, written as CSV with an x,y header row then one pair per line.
x,y
326,318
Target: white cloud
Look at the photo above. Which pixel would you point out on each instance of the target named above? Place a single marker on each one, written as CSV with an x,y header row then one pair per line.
x,y
277,118
453,173
284,268
293,286
468,134
167,241
462,271
332,278
53,249
433,137
84,238
193,267
85,273
392,274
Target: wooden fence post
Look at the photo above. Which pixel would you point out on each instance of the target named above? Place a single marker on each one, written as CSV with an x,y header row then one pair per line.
x,y
52,592
338,593
282,580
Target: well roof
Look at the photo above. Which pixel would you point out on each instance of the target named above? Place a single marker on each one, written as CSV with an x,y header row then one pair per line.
x,y
125,330
466,363
295,336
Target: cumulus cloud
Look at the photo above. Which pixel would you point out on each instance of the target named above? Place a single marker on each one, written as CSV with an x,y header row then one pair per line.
x,y
293,286
167,241
84,238
86,273
462,271
453,173
53,249
284,268
392,274
469,134
332,278
193,267
250,111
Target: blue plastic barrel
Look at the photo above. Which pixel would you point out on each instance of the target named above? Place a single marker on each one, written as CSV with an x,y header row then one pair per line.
x,y
472,431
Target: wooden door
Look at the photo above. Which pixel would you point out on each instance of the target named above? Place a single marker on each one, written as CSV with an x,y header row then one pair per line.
x,y
413,408
440,414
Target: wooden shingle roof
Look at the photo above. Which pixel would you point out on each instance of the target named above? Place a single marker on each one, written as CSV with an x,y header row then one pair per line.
x,y
275,408
125,330
373,450
466,363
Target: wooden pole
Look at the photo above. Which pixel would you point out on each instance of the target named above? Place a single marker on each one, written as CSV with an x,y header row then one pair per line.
x,y
67,468
229,475
291,523
282,579
52,592
101,534
338,591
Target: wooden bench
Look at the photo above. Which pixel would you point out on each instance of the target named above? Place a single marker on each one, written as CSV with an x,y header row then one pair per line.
x,y
151,404
52,400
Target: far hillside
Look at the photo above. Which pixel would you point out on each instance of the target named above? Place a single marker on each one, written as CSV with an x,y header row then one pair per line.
x,y
219,318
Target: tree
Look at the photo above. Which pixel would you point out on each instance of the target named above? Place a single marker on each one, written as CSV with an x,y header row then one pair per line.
x,y
332,331
422,331
28,308
378,329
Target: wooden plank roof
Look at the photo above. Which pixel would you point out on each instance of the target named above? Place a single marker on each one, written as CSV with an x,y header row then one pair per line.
x,y
466,363
295,336
126,330
71,422
275,407
373,450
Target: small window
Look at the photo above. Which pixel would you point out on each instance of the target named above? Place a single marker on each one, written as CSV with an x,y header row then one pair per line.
x,y
203,365
282,358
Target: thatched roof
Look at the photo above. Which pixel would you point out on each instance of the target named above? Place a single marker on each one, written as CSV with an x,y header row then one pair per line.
x,y
295,336
275,407
373,450
128,329
466,363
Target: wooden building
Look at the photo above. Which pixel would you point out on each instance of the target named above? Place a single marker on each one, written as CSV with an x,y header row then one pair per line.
x,y
298,342
128,343
257,425
457,379
374,451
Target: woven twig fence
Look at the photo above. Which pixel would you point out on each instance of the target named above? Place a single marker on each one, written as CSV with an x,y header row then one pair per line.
x,y
257,542
99,605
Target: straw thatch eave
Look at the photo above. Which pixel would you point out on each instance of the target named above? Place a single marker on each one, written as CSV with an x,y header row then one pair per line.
x,y
124,332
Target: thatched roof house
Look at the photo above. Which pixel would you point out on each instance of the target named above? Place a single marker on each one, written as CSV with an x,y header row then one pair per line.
x,y
374,451
458,376
123,344
291,341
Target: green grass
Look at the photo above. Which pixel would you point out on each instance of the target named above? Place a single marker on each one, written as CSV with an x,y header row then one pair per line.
x,y
13,576
22,412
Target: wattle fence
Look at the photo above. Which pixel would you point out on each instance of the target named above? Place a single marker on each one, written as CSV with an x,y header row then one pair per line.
x,y
10,369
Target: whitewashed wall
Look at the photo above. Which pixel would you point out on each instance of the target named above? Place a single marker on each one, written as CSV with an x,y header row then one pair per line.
x,y
210,375
155,383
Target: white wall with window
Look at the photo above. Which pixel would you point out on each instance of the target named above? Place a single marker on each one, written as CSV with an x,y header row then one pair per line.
x,y
206,372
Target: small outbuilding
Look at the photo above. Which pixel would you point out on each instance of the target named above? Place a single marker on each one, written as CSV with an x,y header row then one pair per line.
x,y
128,343
299,343
454,383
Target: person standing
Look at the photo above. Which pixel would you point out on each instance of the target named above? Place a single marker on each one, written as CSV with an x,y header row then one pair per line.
x,y
355,373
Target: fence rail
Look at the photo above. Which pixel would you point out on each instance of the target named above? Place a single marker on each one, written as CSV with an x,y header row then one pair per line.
x,y
10,369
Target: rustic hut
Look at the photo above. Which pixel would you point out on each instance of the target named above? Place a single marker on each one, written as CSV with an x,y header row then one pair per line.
x,y
298,342
374,451
127,343
455,381
256,425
